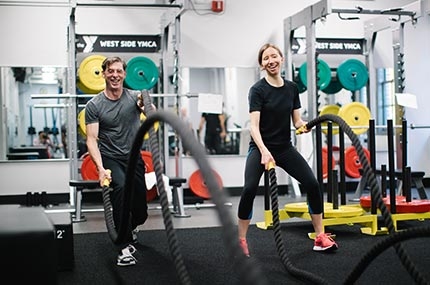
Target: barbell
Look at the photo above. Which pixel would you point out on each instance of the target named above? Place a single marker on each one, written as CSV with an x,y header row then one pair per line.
x,y
82,129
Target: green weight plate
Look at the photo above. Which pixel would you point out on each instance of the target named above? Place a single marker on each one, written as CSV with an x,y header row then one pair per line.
x,y
302,88
333,87
142,73
323,74
352,74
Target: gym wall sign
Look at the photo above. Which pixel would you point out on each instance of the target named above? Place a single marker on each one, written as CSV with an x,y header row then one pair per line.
x,y
115,43
330,46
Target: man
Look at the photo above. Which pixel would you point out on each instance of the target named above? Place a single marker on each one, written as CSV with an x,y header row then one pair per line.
x,y
215,131
112,120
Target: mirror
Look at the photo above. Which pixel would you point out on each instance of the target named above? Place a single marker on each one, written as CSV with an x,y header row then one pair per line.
x,y
25,116
32,128
233,84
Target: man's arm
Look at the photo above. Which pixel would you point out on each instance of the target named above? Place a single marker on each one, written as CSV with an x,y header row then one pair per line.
x,y
221,118
92,131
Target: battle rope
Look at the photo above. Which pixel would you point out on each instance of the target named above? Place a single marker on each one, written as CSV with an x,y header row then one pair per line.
x,y
394,237
247,269
167,216
298,273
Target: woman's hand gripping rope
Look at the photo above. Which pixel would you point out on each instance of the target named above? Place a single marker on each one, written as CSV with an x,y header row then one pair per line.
x,y
303,129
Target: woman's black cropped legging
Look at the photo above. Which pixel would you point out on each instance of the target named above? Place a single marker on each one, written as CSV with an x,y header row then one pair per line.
x,y
293,163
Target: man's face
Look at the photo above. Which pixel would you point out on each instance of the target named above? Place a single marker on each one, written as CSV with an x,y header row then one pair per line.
x,y
114,76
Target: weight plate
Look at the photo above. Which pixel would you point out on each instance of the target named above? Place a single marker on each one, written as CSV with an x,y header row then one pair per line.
x,y
151,194
90,74
302,88
356,114
330,109
81,89
324,154
142,73
88,169
352,162
415,206
198,185
333,87
323,74
81,123
352,74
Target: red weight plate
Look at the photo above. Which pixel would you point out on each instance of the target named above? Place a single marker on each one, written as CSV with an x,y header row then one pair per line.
x,y
147,158
352,162
88,169
365,201
149,167
89,172
414,206
324,153
198,185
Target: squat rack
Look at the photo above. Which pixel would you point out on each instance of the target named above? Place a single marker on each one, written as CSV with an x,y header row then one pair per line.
x,y
172,13
319,11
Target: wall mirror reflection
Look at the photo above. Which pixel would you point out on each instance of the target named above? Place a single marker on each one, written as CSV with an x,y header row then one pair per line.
x,y
32,128
233,84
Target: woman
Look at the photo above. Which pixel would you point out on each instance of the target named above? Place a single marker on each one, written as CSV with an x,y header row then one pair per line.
x,y
272,101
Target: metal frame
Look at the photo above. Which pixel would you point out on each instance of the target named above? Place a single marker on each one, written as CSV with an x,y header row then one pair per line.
x,y
165,21
307,18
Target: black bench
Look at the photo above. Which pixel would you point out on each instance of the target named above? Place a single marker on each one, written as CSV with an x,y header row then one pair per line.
x,y
178,201
79,186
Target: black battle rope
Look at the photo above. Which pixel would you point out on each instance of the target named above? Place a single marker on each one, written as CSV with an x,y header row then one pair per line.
x,y
247,268
394,236
167,216
298,273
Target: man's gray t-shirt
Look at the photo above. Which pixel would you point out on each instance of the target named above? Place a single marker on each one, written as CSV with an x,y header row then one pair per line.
x,y
119,122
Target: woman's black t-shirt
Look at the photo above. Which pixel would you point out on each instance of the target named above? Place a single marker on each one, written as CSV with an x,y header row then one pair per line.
x,y
276,105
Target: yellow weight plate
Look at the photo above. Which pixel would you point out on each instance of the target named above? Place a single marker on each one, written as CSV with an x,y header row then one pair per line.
x,y
300,207
330,109
356,114
83,90
156,125
344,211
81,123
90,73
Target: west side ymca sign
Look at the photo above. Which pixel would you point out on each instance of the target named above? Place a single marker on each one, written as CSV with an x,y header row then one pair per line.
x,y
115,43
330,46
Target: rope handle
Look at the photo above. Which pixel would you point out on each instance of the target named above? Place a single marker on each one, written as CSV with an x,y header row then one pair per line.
x,y
303,129
270,165
106,182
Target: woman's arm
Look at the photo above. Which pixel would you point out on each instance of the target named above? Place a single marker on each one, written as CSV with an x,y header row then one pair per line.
x,y
266,156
